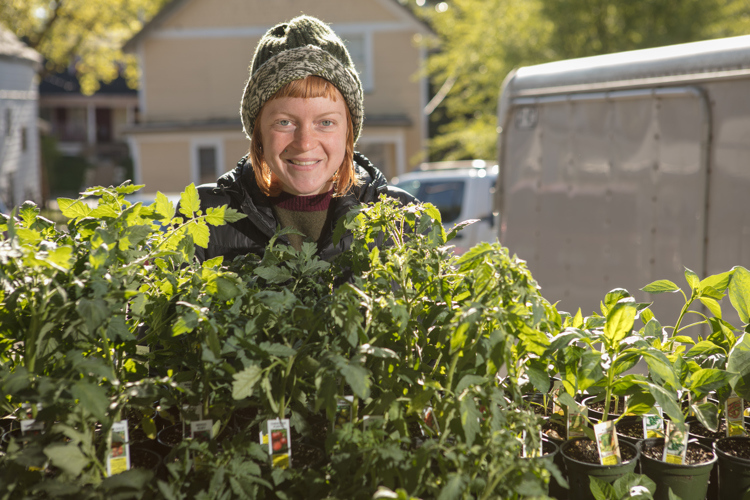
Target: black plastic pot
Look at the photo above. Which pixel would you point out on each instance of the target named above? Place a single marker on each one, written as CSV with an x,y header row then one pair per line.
x,y
551,454
629,420
596,414
734,472
688,482
579,472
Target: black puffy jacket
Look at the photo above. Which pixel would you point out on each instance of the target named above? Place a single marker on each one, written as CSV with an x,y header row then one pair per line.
x,y
239,191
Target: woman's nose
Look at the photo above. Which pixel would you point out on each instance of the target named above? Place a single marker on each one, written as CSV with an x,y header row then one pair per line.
x,y
304,138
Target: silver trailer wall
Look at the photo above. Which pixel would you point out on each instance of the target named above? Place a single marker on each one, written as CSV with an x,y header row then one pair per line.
x,y
620,170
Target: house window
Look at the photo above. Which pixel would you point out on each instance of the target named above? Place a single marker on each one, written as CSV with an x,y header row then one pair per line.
x,y
207,160
24,145
8,121
360,49
207,164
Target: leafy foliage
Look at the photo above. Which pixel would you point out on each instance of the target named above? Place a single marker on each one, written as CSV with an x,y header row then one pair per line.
x,y
481,41
88,33
399,327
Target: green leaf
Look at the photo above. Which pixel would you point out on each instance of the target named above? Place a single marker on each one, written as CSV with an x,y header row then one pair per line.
x,y
661,369
28,213
73,209
538,377
232,215
712,305
684,339
708,415
245,381
738,363
199,232
468,381
358,378
717,281
470,419
705,348
460,334
274,274
706,380
91,397
215,215
94,312
601,489
620,321
739,293
454,487
661,286
135,479
61,258
164,207
67,457
692,279
634,486
278,350
189,201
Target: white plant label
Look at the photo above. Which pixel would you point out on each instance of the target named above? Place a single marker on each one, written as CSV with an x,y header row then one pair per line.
x,y
575,423
606,441
733,410
202,430
675,444
279,443
653,426
118,456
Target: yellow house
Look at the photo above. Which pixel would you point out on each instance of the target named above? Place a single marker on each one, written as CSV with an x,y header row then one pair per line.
x,y
194,58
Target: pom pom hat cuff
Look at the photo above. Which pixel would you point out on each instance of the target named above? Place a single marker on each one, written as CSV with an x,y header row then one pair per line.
x,y
280,59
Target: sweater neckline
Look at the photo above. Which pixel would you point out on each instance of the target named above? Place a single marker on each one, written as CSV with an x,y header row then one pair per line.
x,y
303,203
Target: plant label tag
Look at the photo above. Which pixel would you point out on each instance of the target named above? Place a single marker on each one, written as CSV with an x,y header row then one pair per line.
x,y
557,409
202,430
430,422
675,444
343,411
733,410
575,423
534,452
653,426
606,441
31,427
118,456
279,446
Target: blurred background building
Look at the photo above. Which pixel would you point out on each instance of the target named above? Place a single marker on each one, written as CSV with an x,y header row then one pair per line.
x,y
20,177
194,58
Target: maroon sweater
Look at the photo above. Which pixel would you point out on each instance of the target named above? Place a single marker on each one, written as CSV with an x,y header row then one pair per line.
x,y
306,214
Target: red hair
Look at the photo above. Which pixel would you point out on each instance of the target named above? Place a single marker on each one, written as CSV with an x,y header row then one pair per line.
x,y
307,88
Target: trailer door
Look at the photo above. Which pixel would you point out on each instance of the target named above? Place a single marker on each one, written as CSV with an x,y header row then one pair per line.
x,y
606,190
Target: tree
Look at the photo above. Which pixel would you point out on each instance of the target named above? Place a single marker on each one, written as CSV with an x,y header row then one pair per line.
x,y
481,41
87,33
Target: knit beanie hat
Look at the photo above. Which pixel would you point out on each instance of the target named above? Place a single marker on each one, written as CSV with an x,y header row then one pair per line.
x,y
295,50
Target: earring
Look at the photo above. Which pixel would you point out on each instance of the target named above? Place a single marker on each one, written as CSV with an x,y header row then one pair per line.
x,y
286,150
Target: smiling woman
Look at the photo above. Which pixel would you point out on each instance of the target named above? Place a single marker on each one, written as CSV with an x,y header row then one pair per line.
x,y
302,109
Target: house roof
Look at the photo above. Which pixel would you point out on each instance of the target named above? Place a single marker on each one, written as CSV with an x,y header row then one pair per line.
x,y
174,5
13,48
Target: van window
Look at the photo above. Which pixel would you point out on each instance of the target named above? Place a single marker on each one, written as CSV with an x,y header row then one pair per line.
x,y
447,196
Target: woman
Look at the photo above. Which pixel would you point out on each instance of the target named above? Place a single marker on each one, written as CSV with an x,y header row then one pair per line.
x,y
302,111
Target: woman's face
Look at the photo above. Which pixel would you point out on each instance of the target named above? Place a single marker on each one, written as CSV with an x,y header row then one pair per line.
x,y
304,141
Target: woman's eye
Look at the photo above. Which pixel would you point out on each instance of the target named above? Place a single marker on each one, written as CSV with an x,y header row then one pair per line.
x,y
284,123
326,123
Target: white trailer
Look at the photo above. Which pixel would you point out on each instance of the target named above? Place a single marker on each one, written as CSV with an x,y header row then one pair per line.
x,y
621,169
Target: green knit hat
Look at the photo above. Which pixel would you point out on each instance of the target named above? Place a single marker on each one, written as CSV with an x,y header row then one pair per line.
x,y
295,50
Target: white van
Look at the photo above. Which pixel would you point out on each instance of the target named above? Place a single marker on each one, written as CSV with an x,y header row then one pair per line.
x,y
461,190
